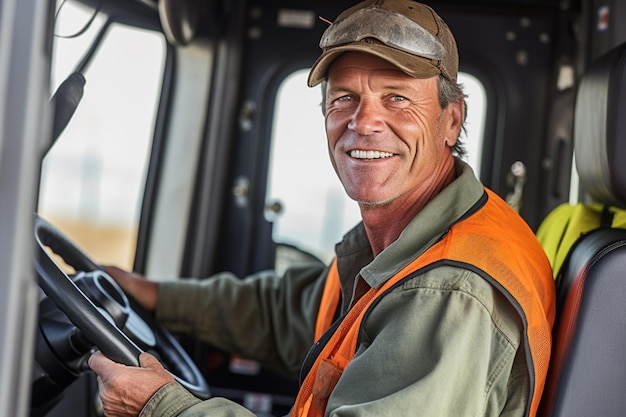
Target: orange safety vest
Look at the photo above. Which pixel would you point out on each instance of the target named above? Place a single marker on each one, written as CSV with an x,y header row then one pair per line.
x,y
492,240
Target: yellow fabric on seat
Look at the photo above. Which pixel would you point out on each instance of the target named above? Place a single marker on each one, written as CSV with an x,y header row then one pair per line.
x,y
566,223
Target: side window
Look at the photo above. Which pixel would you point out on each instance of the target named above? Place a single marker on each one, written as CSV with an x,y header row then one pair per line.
x,y
93,176
316,212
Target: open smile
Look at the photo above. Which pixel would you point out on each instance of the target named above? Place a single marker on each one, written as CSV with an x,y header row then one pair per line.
x,y
361,154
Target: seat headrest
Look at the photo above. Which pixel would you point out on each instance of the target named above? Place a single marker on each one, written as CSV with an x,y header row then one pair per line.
x,y
600,128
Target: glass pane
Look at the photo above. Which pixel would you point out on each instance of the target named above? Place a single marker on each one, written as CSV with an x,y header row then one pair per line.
x,y
94,175
475,121
316,211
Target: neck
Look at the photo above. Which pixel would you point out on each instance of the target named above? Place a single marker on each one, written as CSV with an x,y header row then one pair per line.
x,y
384,223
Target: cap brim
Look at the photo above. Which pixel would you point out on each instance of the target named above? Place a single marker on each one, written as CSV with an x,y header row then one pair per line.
x,y
412,65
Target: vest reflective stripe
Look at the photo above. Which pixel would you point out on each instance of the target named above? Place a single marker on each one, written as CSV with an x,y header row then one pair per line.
x,y
507,255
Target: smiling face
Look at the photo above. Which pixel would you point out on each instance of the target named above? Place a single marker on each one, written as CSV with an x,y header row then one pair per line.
x,y
388,137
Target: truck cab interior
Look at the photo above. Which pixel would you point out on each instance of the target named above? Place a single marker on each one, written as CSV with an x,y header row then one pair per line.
x,y
178,139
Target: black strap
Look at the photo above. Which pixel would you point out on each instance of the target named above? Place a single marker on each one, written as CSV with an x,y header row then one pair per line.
x,y
606,220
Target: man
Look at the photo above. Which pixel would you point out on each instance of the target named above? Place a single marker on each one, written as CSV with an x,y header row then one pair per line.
x,y
445,299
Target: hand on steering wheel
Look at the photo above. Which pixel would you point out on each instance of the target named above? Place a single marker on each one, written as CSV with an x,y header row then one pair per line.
x,y
106,317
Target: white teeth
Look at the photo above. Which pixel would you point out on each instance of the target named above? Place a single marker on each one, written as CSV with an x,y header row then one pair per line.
x,y
369,154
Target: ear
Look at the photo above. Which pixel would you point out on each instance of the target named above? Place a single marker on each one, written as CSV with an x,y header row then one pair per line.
x,y
453,121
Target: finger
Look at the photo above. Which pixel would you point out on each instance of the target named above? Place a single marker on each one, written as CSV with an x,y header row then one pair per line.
x,y
109,268
100,364
151,363
115,272
146,360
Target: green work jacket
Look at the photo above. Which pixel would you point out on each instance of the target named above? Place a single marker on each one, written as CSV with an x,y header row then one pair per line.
x,y
446,343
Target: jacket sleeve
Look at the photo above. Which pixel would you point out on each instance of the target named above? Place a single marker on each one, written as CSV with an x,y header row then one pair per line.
x,y
264,317
172,400
444,344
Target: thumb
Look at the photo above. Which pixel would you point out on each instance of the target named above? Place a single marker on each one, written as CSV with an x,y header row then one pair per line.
x,y
146,360
151,363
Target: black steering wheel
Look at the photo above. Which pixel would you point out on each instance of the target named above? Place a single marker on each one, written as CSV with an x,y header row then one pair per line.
x,y
104,315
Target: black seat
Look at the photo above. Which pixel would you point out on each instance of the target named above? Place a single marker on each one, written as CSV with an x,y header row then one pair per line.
x,y
587,375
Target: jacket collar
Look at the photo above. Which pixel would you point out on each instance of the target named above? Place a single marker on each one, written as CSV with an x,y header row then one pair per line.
x,y
429,225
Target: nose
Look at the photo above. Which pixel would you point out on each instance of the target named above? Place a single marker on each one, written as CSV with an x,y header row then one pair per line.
x,y
367,117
